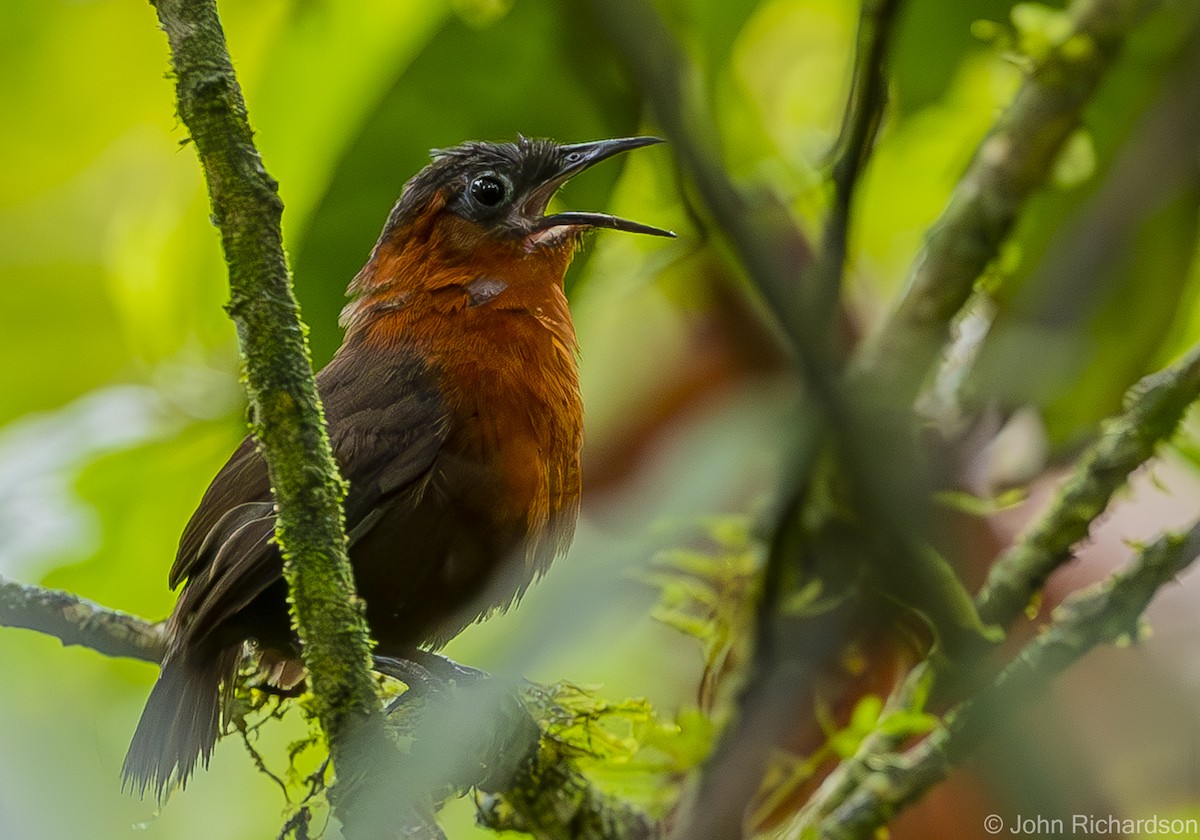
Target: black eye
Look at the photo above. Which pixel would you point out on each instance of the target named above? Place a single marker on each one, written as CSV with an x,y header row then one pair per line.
x,y
488,190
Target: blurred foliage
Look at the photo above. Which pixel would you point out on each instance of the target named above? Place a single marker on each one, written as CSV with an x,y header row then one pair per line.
x,y
119,375
626,748
710,595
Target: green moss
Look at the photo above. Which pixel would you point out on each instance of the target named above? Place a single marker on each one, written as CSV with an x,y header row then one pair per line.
x,y
288,419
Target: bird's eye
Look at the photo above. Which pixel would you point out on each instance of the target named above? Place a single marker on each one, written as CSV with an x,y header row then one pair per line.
x,y
574,157
488,190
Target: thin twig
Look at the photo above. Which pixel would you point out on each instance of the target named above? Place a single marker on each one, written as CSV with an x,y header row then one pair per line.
x,y
864,115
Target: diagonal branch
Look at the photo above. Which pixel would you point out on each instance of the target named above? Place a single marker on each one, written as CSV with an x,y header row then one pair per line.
x,y
803,294
1104,614
1011,164
773,250
1154,408
1155,405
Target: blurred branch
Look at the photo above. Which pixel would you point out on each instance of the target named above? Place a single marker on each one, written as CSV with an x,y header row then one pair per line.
x,y
1154,407
1149,192
1150,182
767,241
860,126
804,297
469,730
1012,162
535,787
843,780
550,799
77,621
288,419
1107,613
778,259
788,657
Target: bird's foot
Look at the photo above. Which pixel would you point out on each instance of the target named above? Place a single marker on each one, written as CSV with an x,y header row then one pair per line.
x,y
447,670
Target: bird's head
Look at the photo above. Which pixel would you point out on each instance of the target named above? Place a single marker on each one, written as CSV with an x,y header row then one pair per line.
x,y
482,202
502,190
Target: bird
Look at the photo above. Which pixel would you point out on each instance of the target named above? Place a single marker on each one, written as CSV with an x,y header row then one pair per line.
x,y
454,413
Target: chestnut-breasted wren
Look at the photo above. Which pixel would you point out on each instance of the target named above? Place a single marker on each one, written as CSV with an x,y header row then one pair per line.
x,y
454,412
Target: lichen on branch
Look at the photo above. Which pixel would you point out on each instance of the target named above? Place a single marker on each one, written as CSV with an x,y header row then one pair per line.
x,y
1106,613
77,621
1154,407
286,410
1015,160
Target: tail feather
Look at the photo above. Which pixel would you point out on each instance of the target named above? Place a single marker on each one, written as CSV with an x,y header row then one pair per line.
x,y
180,723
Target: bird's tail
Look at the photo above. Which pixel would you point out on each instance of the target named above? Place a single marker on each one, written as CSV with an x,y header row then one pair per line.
x,y
180,723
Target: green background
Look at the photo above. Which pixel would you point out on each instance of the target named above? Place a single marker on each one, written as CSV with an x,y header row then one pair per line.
x,y
119,392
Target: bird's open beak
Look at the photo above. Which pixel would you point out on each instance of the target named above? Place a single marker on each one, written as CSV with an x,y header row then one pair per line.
x,y
576,158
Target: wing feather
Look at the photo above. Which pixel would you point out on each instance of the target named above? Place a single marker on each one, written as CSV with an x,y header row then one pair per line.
x,y
387,425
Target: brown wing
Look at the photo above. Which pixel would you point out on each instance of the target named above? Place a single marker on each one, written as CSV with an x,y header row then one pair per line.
x,y
387,424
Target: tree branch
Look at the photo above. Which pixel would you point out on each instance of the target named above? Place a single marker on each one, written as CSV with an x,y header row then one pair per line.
x,y
1013,161
803,295
77,621
768,243
286,410
529,779
1154,406
1103,614
788,656
860,126
534,786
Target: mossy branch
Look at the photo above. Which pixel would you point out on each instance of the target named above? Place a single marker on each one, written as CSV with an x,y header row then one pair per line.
x,y
286,410
532,783
1011,164
1107,613
527,779
547,797
1153,409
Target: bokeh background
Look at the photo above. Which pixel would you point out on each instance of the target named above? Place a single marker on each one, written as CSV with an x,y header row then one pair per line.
x,y
119,392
